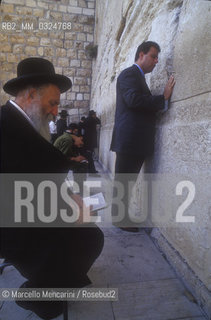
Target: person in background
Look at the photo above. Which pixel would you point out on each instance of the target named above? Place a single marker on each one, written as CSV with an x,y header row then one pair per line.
x,y
66,143
90,137
61,124
73,128
53,129
70,145
81,126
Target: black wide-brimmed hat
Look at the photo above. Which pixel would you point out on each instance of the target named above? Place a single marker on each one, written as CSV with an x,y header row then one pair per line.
x,y
36,71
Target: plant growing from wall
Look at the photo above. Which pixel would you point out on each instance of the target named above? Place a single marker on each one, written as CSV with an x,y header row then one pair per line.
x,y
91,50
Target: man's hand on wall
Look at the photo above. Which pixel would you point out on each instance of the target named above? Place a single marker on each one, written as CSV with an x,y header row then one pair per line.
x,y
169,88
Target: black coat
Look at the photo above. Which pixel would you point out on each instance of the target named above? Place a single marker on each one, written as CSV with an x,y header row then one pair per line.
x,y
136,108
48,256
61,126
90,132
23,149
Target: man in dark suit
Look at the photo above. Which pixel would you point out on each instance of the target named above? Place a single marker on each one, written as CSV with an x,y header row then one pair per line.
x,y
136,108
47,257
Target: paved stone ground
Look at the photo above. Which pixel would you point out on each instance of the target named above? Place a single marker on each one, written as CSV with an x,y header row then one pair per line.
x,y
148,287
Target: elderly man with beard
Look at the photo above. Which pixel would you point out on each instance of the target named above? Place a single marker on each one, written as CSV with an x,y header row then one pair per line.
x,y
48,257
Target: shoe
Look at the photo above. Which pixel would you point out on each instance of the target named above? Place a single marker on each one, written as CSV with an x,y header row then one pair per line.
x,y
44,309
129,229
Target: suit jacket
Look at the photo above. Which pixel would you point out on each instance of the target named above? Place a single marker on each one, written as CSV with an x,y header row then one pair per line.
x,y
136,108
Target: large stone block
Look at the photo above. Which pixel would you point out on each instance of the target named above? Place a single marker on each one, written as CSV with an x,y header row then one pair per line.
x,y
30,51
16,2
75,63
34,41
61,52
88,12
7,8
6,48
3,57
75,10
38,13
6,67
68,44
45,42
82,3
63,62
192,50
80,81
48,52
31,3
62,8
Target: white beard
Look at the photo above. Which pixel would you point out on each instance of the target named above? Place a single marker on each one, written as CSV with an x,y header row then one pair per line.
x,y
40,122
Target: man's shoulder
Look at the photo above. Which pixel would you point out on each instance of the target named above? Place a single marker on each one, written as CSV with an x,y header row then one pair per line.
x,y
7,105
11,114
65,137
130,70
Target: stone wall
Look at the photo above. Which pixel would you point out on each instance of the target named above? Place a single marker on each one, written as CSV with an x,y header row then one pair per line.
x,y
59,30
183,30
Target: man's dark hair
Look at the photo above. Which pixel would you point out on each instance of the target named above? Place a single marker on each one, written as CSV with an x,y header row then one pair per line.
x,y
145,47
73,126
92,113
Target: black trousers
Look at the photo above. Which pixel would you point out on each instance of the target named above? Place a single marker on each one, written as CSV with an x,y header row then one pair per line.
x,y
127,168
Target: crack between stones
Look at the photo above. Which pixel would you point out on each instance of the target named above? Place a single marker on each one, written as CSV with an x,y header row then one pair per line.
x,y
195,95
169,61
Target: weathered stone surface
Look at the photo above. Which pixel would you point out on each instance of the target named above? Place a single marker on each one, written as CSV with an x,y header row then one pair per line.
x,y
7,8
31,40
82,3
3,57
31,51
62,8
61,52
83,72
88,12
183,133
48,51
84,88
45,42
193,35
68,44
81,37
63,40
38,13
40,51
17,48
6,66
31,3
75,10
